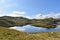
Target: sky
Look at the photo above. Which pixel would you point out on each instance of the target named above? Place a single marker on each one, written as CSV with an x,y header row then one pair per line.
x,y
38,9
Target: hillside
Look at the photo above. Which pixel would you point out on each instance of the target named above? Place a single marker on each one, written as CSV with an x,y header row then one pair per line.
x,y
47,22
8,34
8,21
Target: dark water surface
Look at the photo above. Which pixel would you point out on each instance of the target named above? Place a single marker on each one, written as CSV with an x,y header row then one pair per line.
x,y
29,28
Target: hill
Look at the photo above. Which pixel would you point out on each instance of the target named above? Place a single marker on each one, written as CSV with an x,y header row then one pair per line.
x,y
8,21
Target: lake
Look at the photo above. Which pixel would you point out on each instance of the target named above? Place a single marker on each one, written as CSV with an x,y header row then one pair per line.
x,y
29,28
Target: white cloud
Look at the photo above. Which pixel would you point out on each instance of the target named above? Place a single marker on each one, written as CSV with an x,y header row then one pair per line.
x,y
17,12
37,16
6,6
2,1
1,15
42,16
27,17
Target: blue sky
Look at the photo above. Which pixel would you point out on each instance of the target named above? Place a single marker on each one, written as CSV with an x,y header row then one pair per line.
x,y
30,8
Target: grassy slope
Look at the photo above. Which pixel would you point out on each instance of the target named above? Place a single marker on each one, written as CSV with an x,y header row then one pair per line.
x,y
8,21
7,34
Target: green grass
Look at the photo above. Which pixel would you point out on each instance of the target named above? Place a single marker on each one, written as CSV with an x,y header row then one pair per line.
x,y
9,34
6,34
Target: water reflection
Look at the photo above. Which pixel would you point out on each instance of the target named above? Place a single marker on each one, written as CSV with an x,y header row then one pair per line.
x,y
29,28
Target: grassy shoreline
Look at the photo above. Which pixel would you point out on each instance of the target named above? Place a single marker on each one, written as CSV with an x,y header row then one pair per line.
x,y
9,34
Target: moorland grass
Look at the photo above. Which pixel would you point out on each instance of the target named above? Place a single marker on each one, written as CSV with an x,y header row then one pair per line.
x,y
9,34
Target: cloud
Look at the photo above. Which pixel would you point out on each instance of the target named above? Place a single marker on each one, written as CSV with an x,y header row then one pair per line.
x,y
37,16
42,16
1,15
17,12
14,14
2,1
6,6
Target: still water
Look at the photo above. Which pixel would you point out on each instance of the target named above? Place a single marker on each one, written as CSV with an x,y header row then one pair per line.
x,y
29,28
